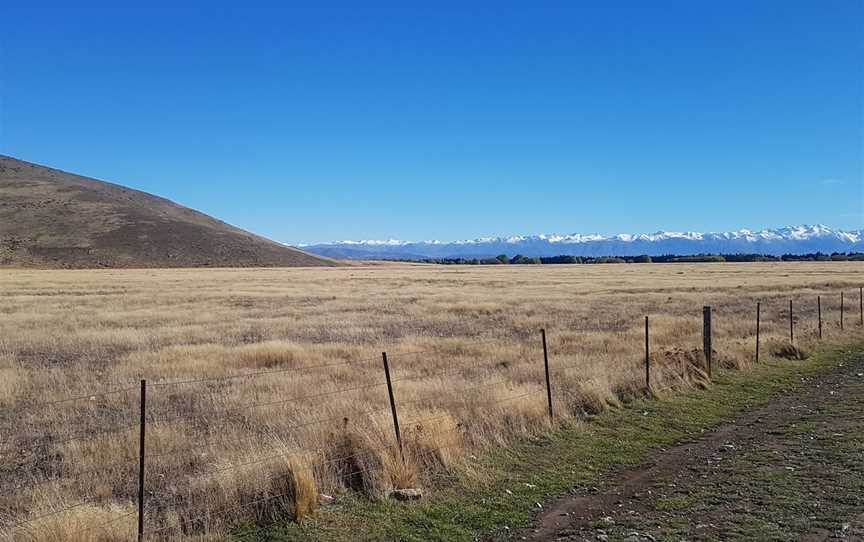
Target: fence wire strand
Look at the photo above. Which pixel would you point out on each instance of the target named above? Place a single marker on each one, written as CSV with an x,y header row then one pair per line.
x,y
105,525
491,403
53,513
245,441
259,373
45,404
224,511
80,438
371,413
76,475
244,408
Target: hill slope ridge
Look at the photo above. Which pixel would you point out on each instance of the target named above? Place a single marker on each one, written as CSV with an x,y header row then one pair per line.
x,y
51,218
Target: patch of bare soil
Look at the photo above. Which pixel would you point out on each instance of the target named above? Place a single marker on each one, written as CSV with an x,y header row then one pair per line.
x,y
791,470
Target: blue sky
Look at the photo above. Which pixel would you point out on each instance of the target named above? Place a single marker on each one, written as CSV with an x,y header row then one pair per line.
x,y
321,121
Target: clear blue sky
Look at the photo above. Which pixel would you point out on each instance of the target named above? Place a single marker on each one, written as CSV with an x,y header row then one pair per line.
x,y
317,121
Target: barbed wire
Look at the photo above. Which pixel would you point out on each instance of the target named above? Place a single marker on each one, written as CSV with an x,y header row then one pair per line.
x,y
75,475
433,350
245,440
438,374
224,512
226,443
96,394
491,403
290,452
259,373
392,354
80,438
285,454
103,526
354,471
402,404
362,453
208,515
89,396
30,521
244,408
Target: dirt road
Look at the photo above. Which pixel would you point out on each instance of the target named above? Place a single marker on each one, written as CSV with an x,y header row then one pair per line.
x,y
791,470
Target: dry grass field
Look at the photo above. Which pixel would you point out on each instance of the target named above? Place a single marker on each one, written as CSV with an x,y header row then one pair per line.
x,y
266,387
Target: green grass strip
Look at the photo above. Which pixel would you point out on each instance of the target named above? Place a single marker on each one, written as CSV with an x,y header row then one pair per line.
x,y
526,473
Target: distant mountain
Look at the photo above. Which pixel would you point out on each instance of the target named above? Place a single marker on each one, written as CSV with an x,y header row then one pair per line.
x,y
790,240
49,218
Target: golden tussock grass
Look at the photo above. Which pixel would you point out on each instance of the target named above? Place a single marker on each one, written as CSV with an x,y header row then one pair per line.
x,y
311,416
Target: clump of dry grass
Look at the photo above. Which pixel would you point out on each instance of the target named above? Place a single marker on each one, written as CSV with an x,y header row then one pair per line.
x,y
277,489
789,351
266,386
88,523
10,380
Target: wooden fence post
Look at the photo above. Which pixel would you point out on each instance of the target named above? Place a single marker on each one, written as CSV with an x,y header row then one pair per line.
x,y
647,359
819,314
548,379
791,324
758,326
393,405
842,310
706,337
141,442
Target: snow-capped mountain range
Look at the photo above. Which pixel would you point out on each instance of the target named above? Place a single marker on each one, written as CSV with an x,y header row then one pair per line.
x,y
790,240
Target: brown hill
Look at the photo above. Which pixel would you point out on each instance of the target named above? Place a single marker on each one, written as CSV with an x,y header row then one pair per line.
x,y
49,218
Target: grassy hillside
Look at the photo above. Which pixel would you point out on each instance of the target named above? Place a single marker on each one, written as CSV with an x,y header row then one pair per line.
x,y
49,218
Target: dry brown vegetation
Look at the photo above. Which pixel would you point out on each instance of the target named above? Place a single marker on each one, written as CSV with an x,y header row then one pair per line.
x,y
53,219
266,389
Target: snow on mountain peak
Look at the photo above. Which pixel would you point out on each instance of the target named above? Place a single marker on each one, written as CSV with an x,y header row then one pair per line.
x,y
802,232
790,239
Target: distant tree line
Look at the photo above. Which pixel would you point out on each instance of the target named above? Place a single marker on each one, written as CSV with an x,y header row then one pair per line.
x,y
519,259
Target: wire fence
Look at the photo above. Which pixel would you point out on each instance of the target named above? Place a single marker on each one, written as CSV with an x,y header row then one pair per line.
x,y
474,397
